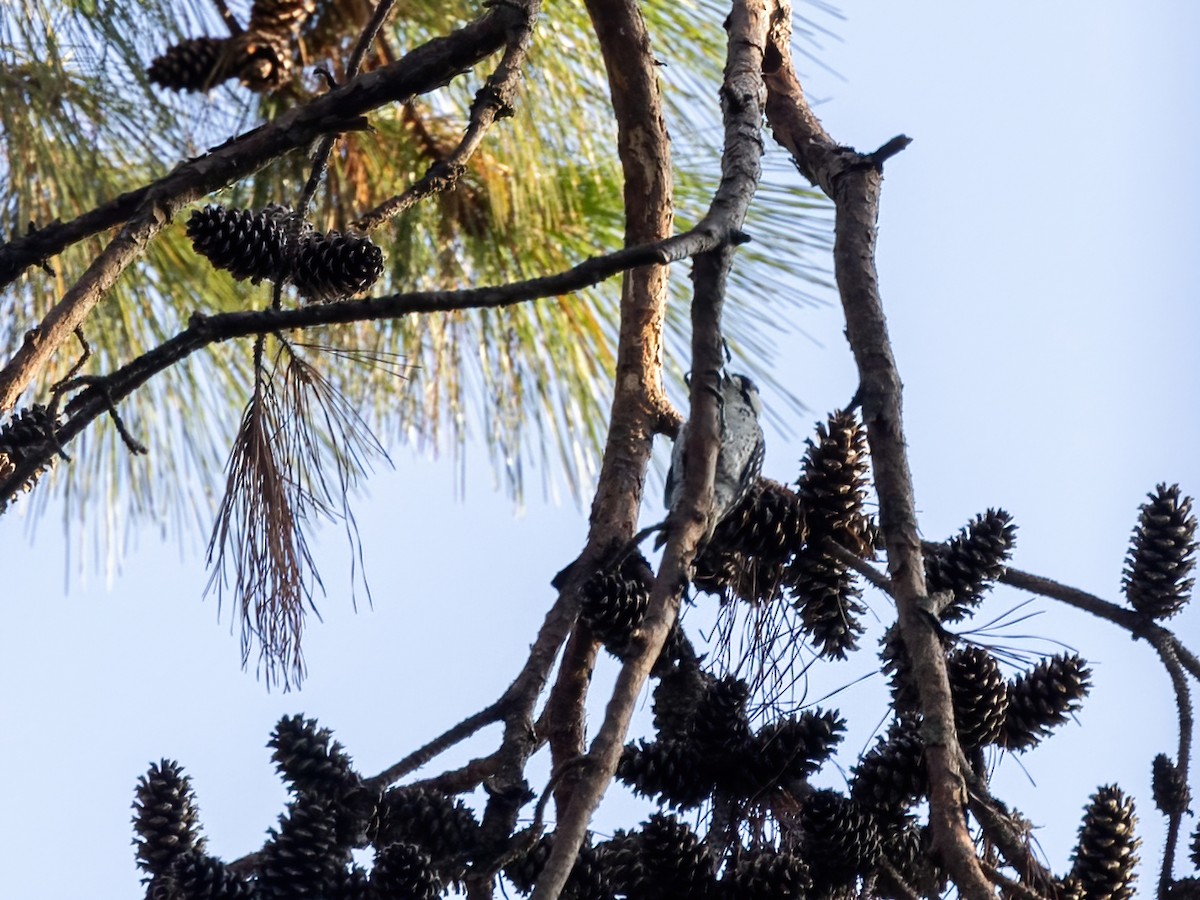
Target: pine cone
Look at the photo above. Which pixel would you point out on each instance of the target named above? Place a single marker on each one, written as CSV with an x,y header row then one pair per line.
x,y
304,857
791,749
826,595
354,884
27,433
620,857
246,244
841,843
1043,698
673,863
1161,554
891,775
673,771
980,696
523,871
766,874
403,870
767,524
832,488
166,819
335,266
720,724
1068,888
263,60
1170,790
970,562
614,602
897,665
194,64
281,17
589,878
442,827
310,760
677,695
739,576
1106,855
197,876
906,846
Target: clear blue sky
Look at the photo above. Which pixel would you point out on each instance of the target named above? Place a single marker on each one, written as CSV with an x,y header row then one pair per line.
x,y
1038,258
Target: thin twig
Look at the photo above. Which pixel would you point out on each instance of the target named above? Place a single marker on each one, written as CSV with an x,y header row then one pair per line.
x,y
858,564
463,779
1183,705
320,157
493,101
231,22
460,732
1137,624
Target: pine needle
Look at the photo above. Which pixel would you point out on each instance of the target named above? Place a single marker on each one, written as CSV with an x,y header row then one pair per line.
x,y
297,458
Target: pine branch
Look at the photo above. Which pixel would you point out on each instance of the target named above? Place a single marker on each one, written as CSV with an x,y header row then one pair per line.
x,y
858,564
147,211
853,181
644,149
493,102
741,98
203,330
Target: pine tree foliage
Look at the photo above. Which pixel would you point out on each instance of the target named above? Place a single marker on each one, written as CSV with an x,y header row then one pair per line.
x,y
508,376
737,770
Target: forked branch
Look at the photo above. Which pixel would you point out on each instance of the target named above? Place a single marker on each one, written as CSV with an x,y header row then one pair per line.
x,y
741,102
853,180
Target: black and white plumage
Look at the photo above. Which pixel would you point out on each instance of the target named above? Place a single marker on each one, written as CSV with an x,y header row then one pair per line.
x,y
740,458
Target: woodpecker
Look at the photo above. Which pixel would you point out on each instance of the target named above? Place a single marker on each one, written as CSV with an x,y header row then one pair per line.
x,y
740,458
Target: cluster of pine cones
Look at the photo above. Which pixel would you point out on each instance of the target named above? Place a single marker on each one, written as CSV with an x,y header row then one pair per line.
x,y
29,431
823,845
773,547
773,544
272,244
422,839
262,56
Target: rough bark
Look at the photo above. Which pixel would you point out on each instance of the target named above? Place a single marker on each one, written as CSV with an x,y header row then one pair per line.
x,y
853,182
741,98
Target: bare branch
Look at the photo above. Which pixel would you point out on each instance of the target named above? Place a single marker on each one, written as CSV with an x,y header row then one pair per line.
x,y
858,564
1187,724
741,96
853,182
450,737
644,149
